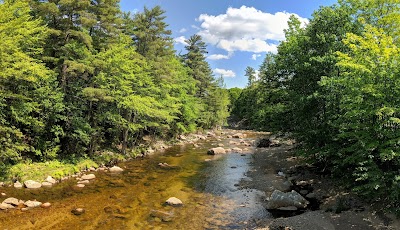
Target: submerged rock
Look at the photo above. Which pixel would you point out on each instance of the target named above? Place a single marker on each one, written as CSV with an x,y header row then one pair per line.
x,y
78,211
216,151
281,199
164,216
173,201
32,184
167,166
116,169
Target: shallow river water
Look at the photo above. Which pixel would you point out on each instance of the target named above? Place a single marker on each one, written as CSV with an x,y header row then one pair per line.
x,y
209,190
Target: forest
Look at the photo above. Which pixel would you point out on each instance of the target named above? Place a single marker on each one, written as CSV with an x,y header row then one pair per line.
x,y
81,77
334,85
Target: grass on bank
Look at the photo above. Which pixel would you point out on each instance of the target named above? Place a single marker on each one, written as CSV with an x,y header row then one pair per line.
x,y
58,169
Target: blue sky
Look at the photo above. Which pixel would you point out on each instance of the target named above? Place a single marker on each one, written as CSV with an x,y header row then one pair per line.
x,y
238,33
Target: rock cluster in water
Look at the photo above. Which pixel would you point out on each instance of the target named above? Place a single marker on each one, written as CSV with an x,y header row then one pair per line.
x,y
14,203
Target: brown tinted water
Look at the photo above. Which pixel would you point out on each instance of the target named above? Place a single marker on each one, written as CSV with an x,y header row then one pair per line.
x,y
209,190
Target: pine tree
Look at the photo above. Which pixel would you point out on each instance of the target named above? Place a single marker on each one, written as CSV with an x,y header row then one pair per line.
x,y
199,68
250,73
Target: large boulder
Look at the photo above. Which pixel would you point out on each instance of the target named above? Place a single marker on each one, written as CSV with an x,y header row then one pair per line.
x,y
281,199
32,184
115,169
173,201
216,151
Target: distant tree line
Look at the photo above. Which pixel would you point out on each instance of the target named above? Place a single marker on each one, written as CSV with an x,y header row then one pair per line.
x,y
81,76
335,85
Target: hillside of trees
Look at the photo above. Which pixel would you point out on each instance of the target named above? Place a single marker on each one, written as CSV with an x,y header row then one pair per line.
x,y
335,86
77,77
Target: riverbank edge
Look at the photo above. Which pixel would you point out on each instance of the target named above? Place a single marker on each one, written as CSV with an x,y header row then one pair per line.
x,y
62,170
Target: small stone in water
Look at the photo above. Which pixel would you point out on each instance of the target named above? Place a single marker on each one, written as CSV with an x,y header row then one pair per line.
x,y
78,211
174,201
108,209
46,205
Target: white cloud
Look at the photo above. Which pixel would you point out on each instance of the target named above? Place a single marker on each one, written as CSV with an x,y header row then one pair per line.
x,y
195,27
217,56
181,40
245,29
255,56
224,72
251,45
220,56
183,30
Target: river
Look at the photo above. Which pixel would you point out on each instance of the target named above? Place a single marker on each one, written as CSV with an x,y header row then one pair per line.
x,y
207,185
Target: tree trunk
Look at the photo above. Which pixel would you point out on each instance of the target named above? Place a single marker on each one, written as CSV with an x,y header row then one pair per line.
x,y
125,133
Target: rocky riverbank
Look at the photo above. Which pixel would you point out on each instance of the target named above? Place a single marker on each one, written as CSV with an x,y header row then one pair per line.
x,y
329,206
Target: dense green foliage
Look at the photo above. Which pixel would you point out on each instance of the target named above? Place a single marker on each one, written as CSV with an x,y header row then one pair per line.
x,y
80,77
334,84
